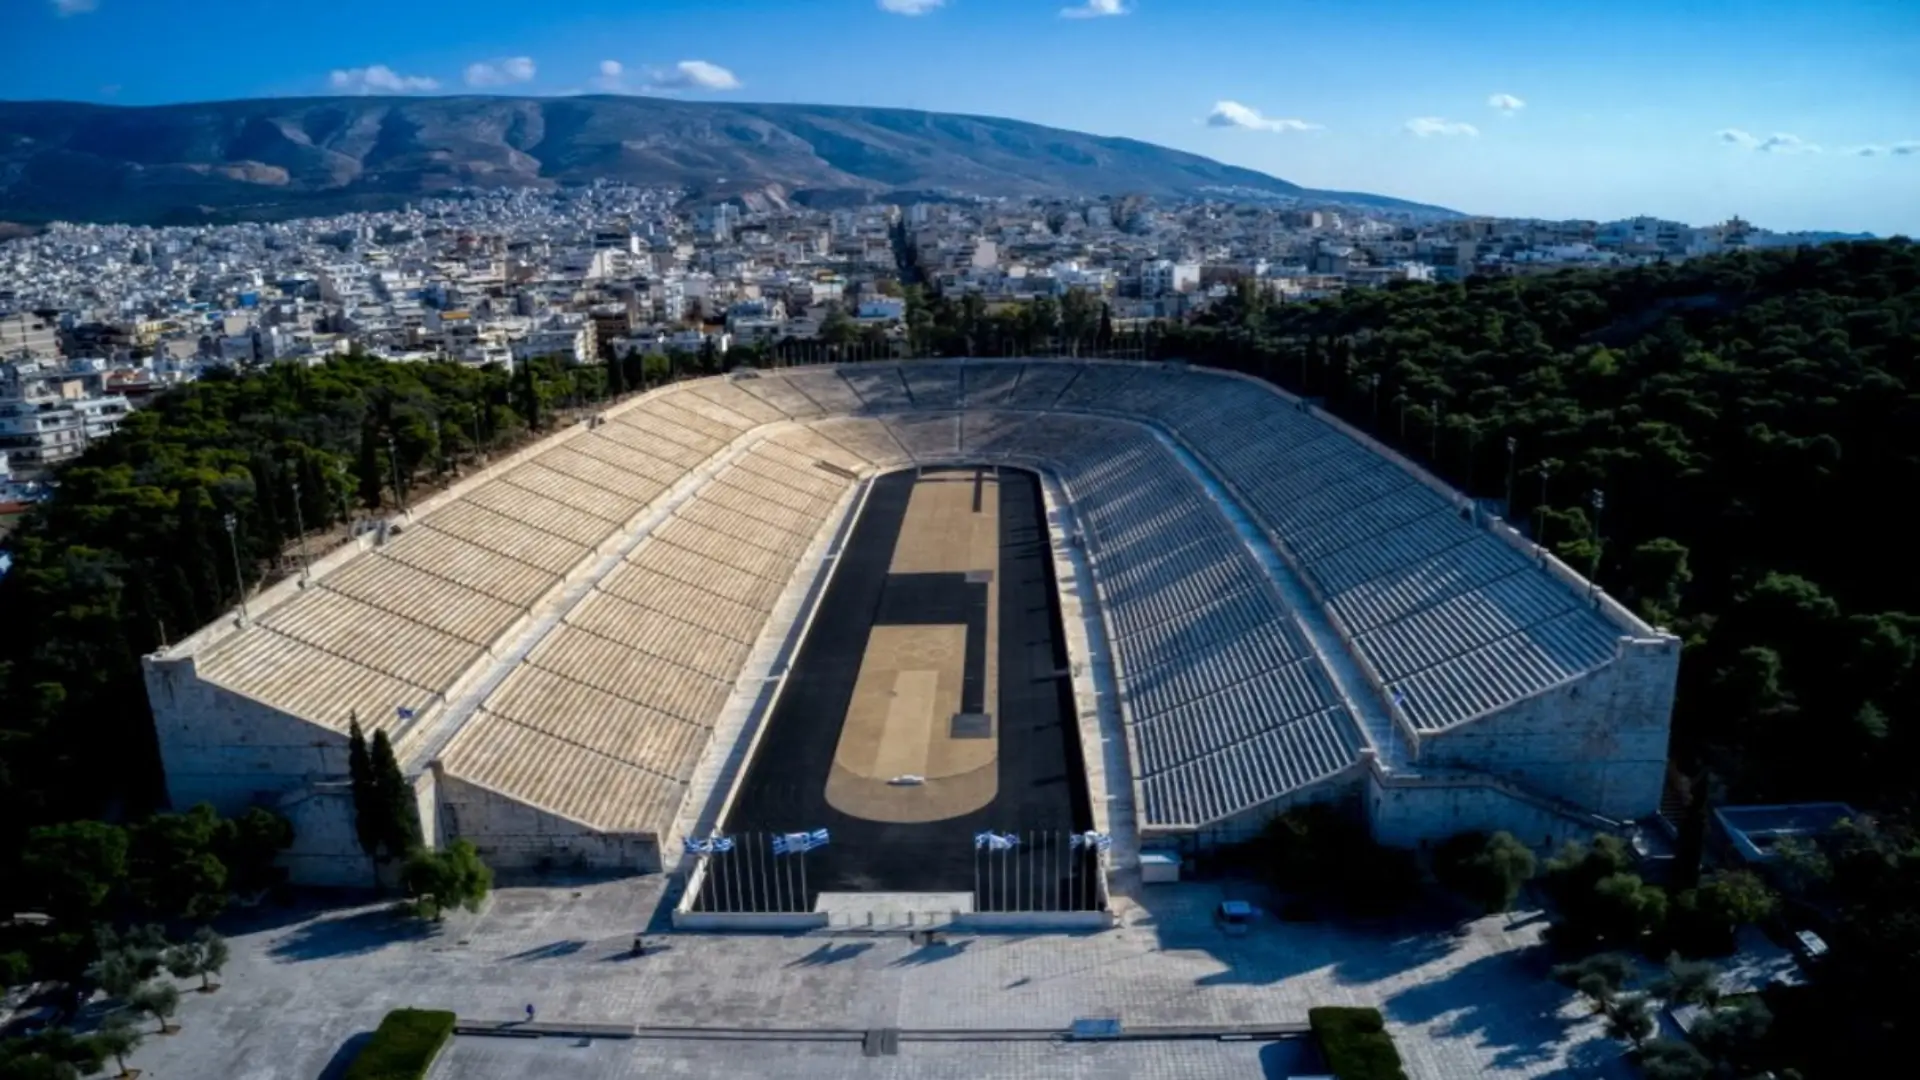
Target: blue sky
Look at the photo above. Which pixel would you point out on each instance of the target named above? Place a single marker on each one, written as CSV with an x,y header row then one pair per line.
x,y
1793,113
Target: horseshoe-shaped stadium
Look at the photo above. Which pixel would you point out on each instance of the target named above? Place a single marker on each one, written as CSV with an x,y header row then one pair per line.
x,y
1159,602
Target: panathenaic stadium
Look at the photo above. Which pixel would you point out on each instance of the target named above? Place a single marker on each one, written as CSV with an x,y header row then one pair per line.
x,y
910,603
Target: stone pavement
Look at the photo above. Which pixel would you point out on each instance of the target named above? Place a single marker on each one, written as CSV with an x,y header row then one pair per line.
x,y
299,995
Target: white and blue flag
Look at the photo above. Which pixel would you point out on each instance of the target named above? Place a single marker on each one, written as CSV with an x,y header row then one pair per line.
x,y
1098,841
798,843
713,845
992,841
405,713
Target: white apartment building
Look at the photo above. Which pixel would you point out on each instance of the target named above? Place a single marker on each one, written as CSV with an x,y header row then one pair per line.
x,y
47,416
1164,277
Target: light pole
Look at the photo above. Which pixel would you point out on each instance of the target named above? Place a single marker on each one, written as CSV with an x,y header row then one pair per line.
x,y
393,459
1540,533
1373,383
233,545
1512,445
1433,449
1599,500
300,524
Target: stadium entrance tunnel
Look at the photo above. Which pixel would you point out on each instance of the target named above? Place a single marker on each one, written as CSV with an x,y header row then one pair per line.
x,y
929,703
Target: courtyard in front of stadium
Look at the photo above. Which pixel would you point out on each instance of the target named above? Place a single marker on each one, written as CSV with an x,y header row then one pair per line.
x,y
302,992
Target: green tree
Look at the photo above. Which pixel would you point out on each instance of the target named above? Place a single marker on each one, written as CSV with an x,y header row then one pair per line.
x,y
159,1000
1601,978
440,880
116,1038
1673,1059
70,870
527,395
1688,982
1660,573
126,961
202,956
369,469
249,845
837,329
1487,870
1630,1019
366,801
395,808
173,870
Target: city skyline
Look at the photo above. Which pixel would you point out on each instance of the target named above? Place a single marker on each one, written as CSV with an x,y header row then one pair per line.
x,y
1789,115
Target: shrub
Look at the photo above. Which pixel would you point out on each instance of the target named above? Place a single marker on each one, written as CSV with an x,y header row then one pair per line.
x,y
439,880
404,1046
1355,1043
1487,870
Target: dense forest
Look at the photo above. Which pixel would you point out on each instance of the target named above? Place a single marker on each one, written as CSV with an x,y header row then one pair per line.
x,y
1726,442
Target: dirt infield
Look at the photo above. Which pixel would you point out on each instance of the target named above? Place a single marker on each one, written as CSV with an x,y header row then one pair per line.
x,y
943,604
901,756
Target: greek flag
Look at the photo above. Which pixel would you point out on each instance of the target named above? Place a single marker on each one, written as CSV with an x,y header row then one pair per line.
x,y
796,843
710,846
1399,699
1098,841
405,713
992,841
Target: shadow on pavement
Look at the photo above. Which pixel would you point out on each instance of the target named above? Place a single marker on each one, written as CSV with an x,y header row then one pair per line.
x,y
1283,1059
357,934
831,954
932,954
550,951
1479,1002
342,1059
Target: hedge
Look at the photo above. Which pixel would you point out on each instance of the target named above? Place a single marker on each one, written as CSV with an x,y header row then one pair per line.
x,y
1356,1044
404,1046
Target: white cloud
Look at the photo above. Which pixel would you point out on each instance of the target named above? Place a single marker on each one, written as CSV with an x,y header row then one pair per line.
x,y
1899,149
1506,103
1094,9
513,69
1429,126
1777,143
911,7
1232,114
379,79
75,7
612,78
693,75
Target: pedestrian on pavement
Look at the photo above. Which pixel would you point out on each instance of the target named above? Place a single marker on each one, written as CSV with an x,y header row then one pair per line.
x,y
529,1014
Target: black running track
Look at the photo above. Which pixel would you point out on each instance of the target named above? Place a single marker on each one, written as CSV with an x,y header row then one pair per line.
x,y
1042,787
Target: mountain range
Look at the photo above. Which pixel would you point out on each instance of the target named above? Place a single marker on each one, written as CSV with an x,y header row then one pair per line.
x,y
285,157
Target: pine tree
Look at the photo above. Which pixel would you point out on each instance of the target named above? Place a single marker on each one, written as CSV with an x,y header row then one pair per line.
x,y
395,810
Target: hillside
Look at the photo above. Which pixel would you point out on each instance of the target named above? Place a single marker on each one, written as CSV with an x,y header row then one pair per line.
x,y
289,156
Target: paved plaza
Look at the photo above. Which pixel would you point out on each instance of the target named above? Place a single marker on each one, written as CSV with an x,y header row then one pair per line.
x,y
302,991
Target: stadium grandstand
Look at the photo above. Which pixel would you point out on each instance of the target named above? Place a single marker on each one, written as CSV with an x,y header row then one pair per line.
x,y
576,651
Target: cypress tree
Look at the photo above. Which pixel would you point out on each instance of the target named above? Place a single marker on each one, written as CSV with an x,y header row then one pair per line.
x,y
616,376
395,809
529,394
366,818
367,468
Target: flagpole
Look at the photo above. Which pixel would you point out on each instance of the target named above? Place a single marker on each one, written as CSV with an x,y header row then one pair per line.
x,y
803,881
